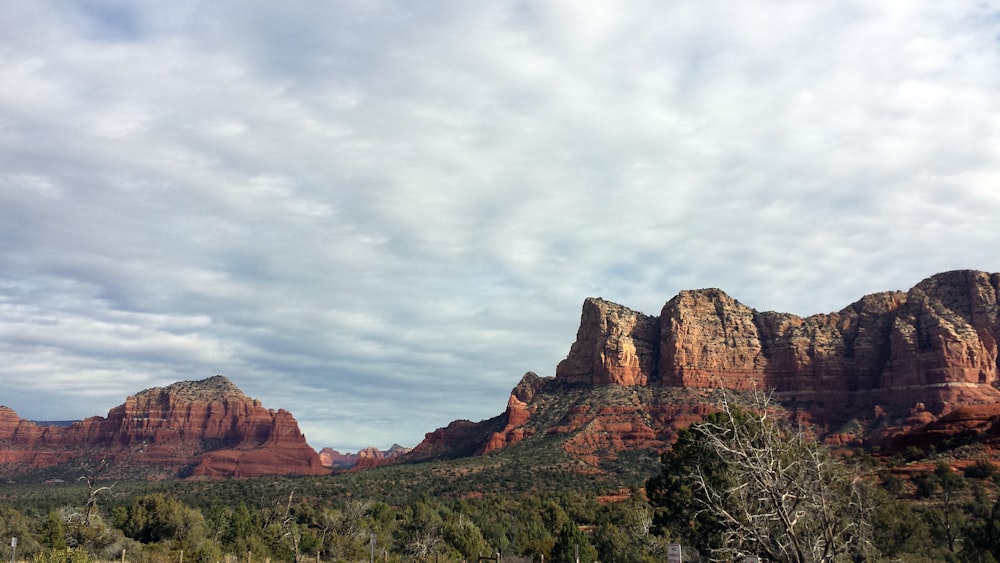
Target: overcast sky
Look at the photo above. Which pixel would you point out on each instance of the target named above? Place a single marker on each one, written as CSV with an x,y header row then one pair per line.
x,y
379,215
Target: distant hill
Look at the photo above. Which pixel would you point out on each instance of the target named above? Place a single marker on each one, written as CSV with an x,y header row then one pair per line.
x,y
206,428
367,457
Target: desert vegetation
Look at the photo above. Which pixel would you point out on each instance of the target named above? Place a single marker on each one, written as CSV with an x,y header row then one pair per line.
x,y
292,520
740,482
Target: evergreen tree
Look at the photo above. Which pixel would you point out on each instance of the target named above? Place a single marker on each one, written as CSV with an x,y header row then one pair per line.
x,y
982,538
571,543
53,533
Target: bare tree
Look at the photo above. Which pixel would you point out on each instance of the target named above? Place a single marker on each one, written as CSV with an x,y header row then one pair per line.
x,y
290,529
757,487
96,471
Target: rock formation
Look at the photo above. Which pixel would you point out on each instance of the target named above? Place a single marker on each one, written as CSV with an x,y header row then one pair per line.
x,y
367,457
936,343
205,428
614,345
977,423
872,364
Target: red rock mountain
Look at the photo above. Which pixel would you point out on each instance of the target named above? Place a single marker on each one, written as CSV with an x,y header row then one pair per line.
x,y
367,457
872,372
206,428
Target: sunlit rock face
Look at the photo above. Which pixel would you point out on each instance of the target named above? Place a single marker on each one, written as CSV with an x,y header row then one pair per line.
x,y
935,343
882,366
205,428
614,346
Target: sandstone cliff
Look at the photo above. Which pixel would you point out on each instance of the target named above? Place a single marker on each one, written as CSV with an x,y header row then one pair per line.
x,y
205,428
858,374
367,457
614,345
936,343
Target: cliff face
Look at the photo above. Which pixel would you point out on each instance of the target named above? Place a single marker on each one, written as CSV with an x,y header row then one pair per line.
x,y
937,343
710,340
947,332
614,346
908,357
199,428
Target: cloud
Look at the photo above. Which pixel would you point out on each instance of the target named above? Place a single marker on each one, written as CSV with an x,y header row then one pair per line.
x,y
379,215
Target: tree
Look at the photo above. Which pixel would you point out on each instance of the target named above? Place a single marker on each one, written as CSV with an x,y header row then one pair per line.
x,y
53,533
739,483
902,532
241,530
97,469
982,537
947,518
289,528
463,535
156,518
624,534
421,529
14,524
573,542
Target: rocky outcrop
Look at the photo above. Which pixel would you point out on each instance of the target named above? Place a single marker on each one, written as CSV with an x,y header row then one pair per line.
x,y
946,334
893,361
367,457
330,457
205,428
517,414
935,344
461,438
614,346
978,424
710,340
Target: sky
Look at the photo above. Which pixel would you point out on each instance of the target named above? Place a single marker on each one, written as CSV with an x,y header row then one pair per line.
x,y
380,215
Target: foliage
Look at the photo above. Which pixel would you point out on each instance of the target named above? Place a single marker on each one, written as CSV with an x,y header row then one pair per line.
x,y
155,518
946,518
13,523
65,555
983,537
53,533
900,529
738,483
87,529
465,537
573,545
625,534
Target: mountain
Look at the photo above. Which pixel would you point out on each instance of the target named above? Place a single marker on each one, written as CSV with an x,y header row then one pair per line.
x,y
873,373
206,428
367,457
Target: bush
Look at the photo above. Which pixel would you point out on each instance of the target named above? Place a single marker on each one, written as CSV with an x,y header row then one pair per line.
x,y
982,469
68,555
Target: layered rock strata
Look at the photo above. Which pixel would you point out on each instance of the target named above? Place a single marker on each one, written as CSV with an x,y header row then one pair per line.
x,y
935,343
203,428
885,364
